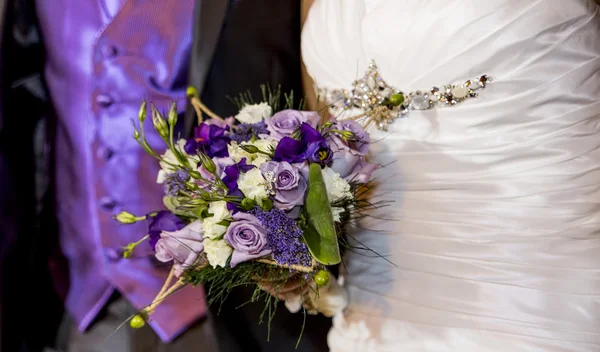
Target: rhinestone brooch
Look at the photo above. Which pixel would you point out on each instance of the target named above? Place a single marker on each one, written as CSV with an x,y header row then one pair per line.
x,y
381,103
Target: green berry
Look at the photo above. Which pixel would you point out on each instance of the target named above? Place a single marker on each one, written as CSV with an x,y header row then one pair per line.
x,y
137,322
322,278
397,99
191,92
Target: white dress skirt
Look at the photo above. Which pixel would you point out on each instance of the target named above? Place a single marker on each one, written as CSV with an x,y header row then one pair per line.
x,y
494,231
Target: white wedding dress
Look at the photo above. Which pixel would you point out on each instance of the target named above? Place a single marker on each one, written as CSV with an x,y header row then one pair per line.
x,y
495,226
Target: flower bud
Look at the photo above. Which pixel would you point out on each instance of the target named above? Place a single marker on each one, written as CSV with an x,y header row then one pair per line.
x,y
142,112
208,163
159,123
191,92
126,218
267,204
249,148
346,135
322,278
194,174
327,124
248,204
173,114
137,322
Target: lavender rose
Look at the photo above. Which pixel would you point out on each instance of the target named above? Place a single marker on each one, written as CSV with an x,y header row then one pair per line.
x,y
163,221
289,184
285,122
181,246
349,154
248,237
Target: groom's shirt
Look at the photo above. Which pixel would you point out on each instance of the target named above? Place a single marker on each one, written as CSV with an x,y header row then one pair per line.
x,y
103,58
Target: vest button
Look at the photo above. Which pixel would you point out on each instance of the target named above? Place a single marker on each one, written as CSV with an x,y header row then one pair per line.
x,y
108,204
104,153
109,51
104,100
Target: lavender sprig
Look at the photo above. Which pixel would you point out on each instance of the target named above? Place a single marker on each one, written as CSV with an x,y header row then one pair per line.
x,y
284,237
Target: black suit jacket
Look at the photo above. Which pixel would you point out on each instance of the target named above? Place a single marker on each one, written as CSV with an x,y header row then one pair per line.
x,y
258,43
26,243
238,46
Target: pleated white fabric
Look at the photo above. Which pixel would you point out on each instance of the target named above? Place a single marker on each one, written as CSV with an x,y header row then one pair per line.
x,y
495,226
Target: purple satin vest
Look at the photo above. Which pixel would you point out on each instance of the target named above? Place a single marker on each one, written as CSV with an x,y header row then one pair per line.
x,y
104,58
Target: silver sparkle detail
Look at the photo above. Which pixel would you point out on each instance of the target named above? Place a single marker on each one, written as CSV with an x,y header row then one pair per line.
x,y
373,96
270,182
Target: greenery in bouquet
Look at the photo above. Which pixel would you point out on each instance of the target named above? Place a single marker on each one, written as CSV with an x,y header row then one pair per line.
x,y
255,199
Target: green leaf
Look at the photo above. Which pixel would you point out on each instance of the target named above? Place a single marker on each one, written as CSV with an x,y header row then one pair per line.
x,y
319,233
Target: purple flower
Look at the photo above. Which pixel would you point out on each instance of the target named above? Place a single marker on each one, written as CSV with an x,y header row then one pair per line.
x,y
248,237
284,237
349,155
163,221
182,246
309,134
295,151
210,139
319,152
289,150
232,173
175,182
244,132
285,122
289,184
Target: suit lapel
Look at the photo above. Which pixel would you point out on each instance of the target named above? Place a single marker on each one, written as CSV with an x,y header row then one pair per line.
x,y
208,21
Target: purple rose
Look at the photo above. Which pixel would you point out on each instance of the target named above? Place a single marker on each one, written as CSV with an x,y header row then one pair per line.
x,y
248,237
285,122
290,184
360,139
210,139
349,154
163,221
182,247
361,173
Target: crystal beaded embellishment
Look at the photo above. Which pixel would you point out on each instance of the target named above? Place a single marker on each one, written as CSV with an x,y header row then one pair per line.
x,y
381,103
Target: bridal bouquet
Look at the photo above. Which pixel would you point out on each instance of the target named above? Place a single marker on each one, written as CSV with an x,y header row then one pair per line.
x,y
256,199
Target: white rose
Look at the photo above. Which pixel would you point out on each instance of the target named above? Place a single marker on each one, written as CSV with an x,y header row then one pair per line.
x,y
263,145
212,229
236,153
169,159
261,159
252,184
337,187
217,252
219,210
254,113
